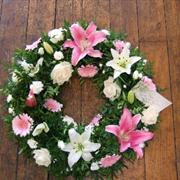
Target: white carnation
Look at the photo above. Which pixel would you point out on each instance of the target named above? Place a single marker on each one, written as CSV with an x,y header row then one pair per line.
x,y
40,128
42,157
32,143
61,72
69,120
41,51
36,87
111,89
56,35
58,55
150,116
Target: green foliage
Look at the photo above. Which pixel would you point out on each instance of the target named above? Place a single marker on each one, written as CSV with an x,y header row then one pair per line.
x,y
111,110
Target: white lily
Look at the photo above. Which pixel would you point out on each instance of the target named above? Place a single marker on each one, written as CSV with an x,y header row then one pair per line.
x,y
79,146
122,62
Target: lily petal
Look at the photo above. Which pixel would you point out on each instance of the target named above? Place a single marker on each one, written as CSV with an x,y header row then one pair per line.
x,y
136,120
75,56
116,74
69,43
114,129
86,135
125,53
96,37
124,146
87,156
125,122
73,135
91,147
115,54
95,53
77,33
134,59
68,147
137,137
91,28
74,157
138,151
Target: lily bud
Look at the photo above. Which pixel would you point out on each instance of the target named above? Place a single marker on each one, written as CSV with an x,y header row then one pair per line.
x,y
31,100
48,48
130,97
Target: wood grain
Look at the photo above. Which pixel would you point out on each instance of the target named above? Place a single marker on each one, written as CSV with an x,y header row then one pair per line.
x,y
153,25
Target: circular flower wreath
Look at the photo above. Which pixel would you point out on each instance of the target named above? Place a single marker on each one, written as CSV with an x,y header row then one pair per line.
x,y
117,134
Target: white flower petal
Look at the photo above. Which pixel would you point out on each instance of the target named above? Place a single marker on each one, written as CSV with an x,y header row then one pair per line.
x,y
117,74
73,135
87,156
134,59
91,147
125,53
67,147
115,54
74,157
86,135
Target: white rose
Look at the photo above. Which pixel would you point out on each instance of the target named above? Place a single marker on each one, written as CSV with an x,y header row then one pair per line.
x,y
9,98
111,89
58,55
36,87
94,166
40,128
32,143
150,116
41,51
61,72
56,35
42,157
69,120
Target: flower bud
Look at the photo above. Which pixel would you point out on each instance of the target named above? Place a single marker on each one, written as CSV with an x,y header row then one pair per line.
x,y
48,48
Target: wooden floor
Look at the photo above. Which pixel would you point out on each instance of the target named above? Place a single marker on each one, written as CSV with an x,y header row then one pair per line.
x,y
153,25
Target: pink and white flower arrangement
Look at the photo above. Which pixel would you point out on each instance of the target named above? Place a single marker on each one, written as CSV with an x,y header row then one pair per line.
x,y
53,105
127,135
84,42
109,160
149,83
22,125
88,71
34,45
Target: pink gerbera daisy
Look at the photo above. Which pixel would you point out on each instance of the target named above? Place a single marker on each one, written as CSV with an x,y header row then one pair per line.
x,y
22,124
87,71
53,105
108,160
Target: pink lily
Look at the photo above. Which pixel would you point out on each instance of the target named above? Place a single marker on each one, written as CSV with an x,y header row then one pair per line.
x,y
127,134
84,41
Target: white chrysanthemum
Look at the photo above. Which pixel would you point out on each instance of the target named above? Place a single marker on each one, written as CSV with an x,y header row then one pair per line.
x,y
42,157
58,55
111,89
32,143
40,128
80,146
36,87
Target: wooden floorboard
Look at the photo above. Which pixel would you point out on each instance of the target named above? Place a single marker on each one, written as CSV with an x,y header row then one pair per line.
x,y
153,25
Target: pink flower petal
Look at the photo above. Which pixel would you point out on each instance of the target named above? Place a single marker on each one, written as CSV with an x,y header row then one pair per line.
x,y
69,43
135,120
75,56
114,129
91,28
22,124
33,45
138,151
149,83
87,71
53,105
96,119
124,146
137,137
108,160
95,53
78,33
97,37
